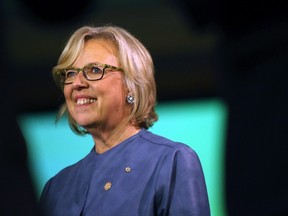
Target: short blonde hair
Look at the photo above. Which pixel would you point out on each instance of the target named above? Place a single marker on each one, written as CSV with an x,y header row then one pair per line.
x,y
134,59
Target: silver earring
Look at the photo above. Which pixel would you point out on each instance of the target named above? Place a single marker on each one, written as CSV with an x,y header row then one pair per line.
x,y
130,99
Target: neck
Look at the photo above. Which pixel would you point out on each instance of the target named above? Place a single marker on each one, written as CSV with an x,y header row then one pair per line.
x,y
107,140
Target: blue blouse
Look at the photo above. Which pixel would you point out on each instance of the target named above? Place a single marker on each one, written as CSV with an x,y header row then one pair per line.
x,y
146,175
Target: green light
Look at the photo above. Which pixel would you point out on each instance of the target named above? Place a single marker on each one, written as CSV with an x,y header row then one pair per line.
x,y
199,124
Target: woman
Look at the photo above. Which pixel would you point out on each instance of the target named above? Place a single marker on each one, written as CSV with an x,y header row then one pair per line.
x,y
107,77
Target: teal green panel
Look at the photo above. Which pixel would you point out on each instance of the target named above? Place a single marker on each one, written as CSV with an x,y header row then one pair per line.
x,y
51,147
199,124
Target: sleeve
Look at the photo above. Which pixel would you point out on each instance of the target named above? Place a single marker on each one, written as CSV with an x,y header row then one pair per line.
x,y
181,188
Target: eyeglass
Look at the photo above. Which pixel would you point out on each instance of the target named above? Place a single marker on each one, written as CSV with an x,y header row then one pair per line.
x,y
91,72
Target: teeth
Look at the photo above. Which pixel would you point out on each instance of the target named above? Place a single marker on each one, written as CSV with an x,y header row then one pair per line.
x,y
83,101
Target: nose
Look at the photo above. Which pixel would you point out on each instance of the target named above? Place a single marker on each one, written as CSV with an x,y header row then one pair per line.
x,y
79,81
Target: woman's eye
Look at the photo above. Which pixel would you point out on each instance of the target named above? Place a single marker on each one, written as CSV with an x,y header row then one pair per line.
x,y
70,73
95,70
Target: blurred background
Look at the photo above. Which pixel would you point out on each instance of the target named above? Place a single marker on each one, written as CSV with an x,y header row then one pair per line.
x,y
230,51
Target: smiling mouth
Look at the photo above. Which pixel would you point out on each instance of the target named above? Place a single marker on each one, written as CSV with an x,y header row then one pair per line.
x,y
83,101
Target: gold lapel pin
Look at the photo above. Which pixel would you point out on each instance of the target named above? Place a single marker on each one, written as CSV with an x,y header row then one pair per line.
x,y
107,186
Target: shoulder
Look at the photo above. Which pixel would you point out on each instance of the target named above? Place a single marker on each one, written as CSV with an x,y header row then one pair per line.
x,y
163,142
157,146
70,171
70,177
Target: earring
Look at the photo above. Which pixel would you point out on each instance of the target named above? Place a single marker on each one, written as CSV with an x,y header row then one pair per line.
x,y
130,99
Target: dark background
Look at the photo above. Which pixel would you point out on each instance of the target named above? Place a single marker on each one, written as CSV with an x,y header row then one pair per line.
x,y
236,51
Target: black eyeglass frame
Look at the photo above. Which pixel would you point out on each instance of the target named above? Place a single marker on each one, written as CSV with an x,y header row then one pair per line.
x,y
62,72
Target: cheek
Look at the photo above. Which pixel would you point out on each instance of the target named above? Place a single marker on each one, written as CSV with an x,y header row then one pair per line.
x,y
119,100
66,92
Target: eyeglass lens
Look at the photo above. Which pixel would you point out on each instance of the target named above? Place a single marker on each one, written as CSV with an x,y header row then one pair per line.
x,y
91,72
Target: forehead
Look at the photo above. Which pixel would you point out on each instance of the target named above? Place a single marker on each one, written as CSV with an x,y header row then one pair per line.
x,y
104,43
98,51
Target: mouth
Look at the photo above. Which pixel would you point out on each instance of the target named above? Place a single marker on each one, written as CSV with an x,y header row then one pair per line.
x,y
83,101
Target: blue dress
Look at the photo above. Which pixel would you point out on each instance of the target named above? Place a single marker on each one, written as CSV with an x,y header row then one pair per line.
x,y
146,175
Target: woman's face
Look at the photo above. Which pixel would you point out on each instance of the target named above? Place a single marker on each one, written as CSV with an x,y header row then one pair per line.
x,y
101,104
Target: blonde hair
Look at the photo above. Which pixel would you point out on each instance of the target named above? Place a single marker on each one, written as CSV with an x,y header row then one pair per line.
x,y
134,59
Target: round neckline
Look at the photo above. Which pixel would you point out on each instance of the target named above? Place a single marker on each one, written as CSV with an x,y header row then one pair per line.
x,y
94,152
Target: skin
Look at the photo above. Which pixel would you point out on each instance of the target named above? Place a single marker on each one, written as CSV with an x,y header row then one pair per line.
x,y
104,118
